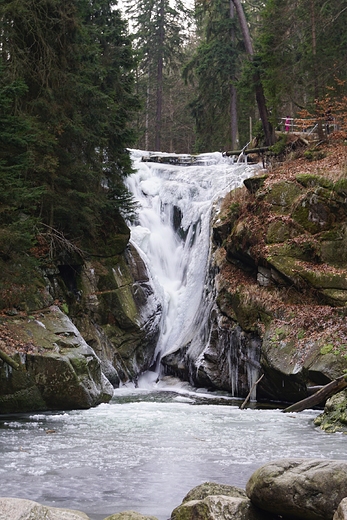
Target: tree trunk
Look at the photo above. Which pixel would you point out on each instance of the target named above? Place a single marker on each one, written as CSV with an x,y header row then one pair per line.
x,y
259,92
322,395
233,94
160,78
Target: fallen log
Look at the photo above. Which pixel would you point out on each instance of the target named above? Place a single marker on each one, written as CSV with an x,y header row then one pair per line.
x,y
261,149
9,360
250,392
322,395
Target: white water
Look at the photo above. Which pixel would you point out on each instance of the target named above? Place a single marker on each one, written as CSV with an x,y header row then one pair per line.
x,y
145,450
177,259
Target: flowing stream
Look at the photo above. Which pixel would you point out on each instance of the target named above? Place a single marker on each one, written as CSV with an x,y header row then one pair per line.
x,y
150,445
146,449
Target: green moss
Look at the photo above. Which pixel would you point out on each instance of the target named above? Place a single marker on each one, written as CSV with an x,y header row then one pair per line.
x,y
326,349
65,308
341,187
314,155
310,180
282,195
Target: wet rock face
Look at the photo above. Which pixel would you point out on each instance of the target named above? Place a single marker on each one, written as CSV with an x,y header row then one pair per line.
x,y
56,368
118,314
303,489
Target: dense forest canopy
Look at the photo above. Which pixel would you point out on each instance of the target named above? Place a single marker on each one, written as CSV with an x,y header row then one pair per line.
x,y
299,51
66,98
81,81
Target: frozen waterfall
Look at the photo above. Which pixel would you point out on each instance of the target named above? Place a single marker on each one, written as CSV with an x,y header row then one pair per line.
x,y
172,232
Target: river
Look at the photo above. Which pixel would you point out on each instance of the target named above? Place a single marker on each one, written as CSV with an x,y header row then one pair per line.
x,y
147,448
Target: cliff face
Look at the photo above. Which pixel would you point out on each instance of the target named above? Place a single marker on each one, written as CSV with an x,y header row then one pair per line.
x,y
88,316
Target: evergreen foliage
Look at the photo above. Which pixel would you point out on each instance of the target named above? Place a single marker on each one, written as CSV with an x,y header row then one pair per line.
x,y
66,97
160,31
303,49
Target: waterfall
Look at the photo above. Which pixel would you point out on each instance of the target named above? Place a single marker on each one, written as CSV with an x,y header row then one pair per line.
x,y
172,234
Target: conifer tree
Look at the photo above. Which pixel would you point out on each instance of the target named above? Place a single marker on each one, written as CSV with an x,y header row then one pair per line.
x,y
74,61
158,33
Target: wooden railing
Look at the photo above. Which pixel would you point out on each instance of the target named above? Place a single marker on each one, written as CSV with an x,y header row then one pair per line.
x,y
308,126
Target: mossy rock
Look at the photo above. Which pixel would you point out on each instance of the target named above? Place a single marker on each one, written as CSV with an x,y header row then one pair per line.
x,y
310,180
253,184
212,488
317,211
333,246
280,231
334,417
314,155
340,187
282,196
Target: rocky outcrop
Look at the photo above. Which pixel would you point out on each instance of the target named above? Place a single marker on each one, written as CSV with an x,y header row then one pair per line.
x,y
334,417
117,313
53,368
278,278
303,489
21,509
104,322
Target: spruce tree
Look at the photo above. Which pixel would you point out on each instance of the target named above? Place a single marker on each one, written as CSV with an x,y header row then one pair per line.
x,y
159,32
75,61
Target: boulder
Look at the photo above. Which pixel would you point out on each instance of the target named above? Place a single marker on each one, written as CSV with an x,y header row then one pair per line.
x,y
212,501
212,488
218,507
341,511
130,515
299,488
21,509
334,417
56,370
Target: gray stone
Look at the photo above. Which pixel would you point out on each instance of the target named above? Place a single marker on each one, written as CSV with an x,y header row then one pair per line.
x,y
299,488
212,488
218,507
22,509
341,512
130,515
59,370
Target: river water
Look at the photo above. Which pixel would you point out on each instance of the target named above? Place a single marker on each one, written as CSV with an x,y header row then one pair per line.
x,y
147,448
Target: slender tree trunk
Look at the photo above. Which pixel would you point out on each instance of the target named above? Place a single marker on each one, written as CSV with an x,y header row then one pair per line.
x,y
147,114
233,94
315,75
259,92
160,78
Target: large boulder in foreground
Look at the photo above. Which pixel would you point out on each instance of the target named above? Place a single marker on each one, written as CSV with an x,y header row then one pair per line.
x,y
21,509
50,366
211,501
298,488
